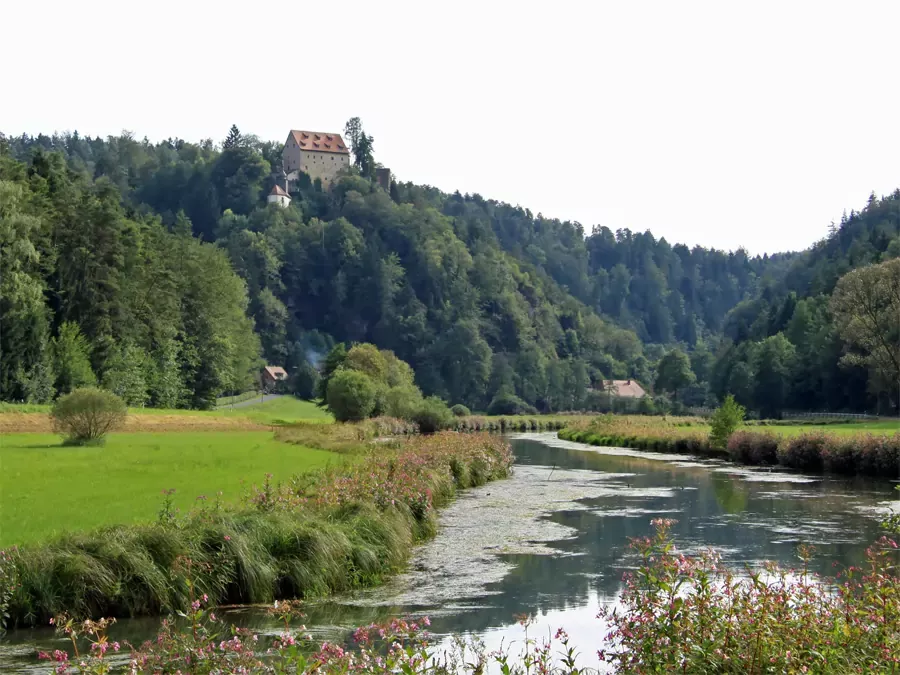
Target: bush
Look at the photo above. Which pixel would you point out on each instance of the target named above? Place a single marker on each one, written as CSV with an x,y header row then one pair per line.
x,y
460,410
748,447
724,421
86,415
840,455
351,395
304,382
878,456
804,452
506,403
433,415
402,402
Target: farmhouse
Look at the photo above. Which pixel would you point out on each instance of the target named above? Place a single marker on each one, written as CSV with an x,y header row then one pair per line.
x,y
318,154
272,377
624,388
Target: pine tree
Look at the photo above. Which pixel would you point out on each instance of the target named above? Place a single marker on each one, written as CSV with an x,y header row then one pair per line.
x,y
234,139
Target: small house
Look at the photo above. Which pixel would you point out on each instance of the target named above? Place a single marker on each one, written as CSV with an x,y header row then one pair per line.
x,y
279,196
624,388
273,377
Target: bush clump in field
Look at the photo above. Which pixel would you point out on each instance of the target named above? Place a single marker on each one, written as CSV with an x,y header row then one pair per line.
x,y
459,410
351,396
85,416
725,421
433,415
507,403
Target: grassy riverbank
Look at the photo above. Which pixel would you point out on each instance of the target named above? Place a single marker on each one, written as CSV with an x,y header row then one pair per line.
x,y
846,448
310,535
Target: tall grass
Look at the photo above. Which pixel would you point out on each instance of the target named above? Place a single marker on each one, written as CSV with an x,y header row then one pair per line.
x,y
862,453
515,423
305,538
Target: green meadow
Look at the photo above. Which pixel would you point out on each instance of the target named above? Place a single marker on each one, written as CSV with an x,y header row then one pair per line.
x,y
286,409
46,488
877,427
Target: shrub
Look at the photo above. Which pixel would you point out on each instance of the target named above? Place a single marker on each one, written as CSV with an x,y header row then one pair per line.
x,y
402,402
351,395
506,403
803,452
460,410
878,456
840,455
86,415
724,421
748,447
673,615
433,415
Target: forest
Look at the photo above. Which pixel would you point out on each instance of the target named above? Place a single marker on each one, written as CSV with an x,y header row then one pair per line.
x,y
159,271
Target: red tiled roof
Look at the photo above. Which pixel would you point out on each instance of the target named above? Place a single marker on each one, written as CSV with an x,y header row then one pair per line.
x,y
278,190
318,141
276,372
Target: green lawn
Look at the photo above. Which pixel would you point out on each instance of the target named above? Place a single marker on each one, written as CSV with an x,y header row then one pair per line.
x,y
874,427
46,488
286,409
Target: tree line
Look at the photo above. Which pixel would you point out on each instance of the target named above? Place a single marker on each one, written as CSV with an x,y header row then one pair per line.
x,y
484,300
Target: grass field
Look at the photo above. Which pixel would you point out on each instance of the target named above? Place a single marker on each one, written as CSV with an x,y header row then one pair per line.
x,y
46,488
15,418
873,427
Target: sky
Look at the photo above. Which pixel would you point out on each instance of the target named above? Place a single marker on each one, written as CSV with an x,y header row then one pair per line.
x,y
722,124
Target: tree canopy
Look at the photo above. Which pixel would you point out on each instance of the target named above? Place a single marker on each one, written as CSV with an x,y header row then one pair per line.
x,y
180,278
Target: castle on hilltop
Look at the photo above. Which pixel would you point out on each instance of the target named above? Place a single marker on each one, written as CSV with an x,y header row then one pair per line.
x,y
319,155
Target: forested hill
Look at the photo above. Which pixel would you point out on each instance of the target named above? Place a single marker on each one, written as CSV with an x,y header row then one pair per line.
x,y
799,345
106,238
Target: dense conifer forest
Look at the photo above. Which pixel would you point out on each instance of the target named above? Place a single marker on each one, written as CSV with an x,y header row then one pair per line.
x,y
158,270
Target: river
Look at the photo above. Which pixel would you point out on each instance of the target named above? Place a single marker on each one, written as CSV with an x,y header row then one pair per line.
x,y
552,542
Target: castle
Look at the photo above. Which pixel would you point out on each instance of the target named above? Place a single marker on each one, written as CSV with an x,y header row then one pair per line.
x,y
319,155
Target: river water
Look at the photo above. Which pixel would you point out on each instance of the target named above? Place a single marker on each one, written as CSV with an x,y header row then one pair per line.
x,y
552,542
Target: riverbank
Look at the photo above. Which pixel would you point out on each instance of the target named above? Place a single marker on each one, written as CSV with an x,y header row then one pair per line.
x,y
843,451
552,542
309,536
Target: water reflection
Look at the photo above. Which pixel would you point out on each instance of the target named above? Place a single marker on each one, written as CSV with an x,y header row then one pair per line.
x,y
553,541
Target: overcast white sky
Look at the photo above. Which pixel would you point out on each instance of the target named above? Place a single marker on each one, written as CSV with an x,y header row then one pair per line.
x,y
718,123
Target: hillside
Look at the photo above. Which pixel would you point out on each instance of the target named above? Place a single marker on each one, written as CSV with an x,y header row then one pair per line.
x,y
480,297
